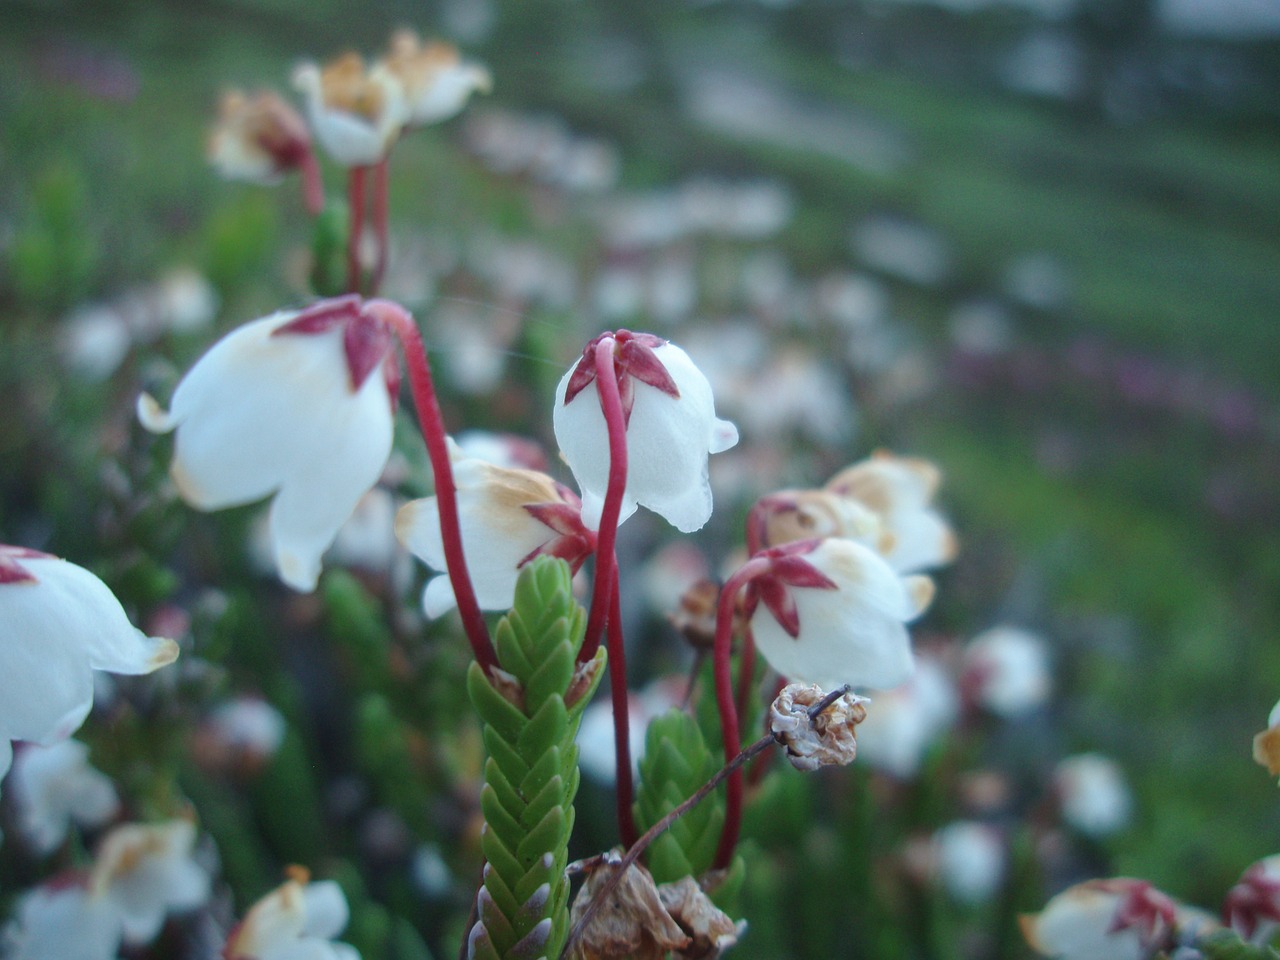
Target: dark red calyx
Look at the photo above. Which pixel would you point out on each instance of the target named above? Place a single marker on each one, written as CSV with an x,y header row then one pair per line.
x,y
11,571
572,542
366,337
1146,910
633,359
1251,901
773,587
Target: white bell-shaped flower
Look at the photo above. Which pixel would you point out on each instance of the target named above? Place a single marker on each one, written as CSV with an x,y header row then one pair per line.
x,y
53,786
671,429
296,921
832,612
295,406
903,724
1006,669
437,82
900,491
1117,919
970,861
59,623
145,872
1093,794
507,516
355,112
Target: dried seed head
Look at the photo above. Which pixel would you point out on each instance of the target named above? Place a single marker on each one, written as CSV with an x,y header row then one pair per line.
x,y
813,741
633,923
710,930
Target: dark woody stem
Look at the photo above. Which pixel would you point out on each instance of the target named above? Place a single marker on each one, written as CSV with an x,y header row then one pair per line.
x,y
380,200
606,562
312,184
431,422
625,792
723,669
355,226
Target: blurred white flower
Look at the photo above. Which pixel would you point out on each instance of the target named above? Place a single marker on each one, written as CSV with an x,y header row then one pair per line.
x,y
1118,919
61,921
671,429
502,449
1007,670
437,82
356,113
1266,745
1093,794
970,860
791,515
144,872
596,754
832,612
296,921
430,873
257,138
367,541
54,786
59,623
507,517
900,491
93,341
296,406
246,726
903,723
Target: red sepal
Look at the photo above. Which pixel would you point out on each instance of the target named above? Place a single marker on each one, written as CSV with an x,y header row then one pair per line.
x,y
573,542
1144,909
366,337
633,357
322,315
11,571
787,569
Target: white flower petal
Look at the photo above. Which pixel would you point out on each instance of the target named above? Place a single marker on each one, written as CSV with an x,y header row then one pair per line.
x,y
63,924
326,910
668,440
262,414
853,634
51,786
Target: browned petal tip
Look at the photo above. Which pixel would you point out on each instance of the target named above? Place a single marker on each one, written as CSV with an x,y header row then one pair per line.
x,y
1266,750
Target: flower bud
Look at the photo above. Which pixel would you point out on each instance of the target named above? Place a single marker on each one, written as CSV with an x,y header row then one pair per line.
x,y
356,113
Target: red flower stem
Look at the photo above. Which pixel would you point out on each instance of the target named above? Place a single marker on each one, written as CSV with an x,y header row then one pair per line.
x,y
621,716
746,671
606,561
730,735
431,423
312,183
380,201
355,225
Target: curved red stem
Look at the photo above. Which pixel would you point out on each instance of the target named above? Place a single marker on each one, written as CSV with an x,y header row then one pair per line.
x,y
355,225
723,669
431,422
746,672
621,717
606,561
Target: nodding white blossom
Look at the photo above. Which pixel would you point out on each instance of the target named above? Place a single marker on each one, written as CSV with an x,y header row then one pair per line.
x,y
59,623
1266,745
296,921
139,876
1093,794
671,429
790,515
257,138
970,861
899,490
832,612
355,112
296,406
1117,919
53,786
903,723
1006,670
437,82
1252,906
507,517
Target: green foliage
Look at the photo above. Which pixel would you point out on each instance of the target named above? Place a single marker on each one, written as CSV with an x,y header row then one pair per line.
x,y
1227,945
55,252
328,250
676,763
531,776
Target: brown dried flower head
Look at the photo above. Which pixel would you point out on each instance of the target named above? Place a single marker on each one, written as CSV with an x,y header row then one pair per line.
x,y
633,923
711,931
821,740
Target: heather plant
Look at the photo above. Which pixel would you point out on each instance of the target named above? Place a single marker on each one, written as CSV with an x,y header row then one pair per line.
x,y
807,637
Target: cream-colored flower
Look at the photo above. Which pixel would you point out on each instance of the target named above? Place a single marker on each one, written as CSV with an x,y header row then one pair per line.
x,y
257,138
1266,745
900,490
507,516
53,786
791,515
294,406
296,921
356,112
59,623
1118,919
437,82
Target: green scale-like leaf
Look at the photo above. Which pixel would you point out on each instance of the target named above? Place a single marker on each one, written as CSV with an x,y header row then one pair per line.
x,y
531,775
